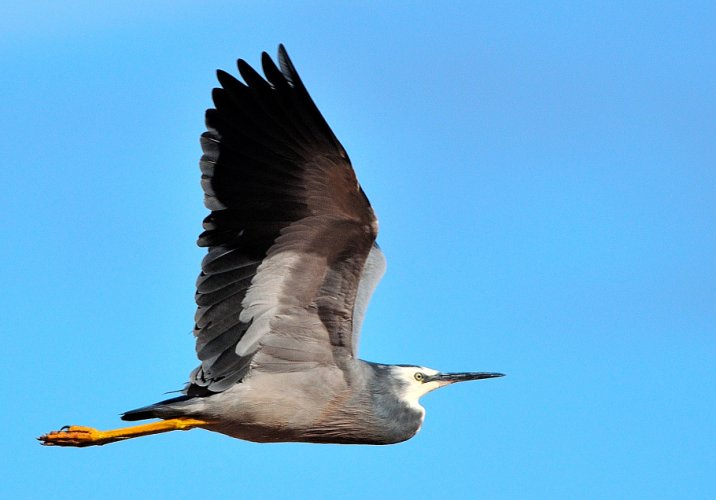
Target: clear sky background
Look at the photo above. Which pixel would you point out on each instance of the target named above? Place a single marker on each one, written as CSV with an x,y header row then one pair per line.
x,y
545,179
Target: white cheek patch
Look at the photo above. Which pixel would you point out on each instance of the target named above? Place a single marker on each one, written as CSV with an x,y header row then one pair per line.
x,y
415,389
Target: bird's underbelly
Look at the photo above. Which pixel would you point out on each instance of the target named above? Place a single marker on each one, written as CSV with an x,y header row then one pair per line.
x,y
284,421
321,434
326,416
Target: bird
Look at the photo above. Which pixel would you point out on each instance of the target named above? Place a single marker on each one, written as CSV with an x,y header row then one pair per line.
x,y
291,264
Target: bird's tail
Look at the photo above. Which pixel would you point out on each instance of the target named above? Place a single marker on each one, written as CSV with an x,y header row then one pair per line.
x,y
169,408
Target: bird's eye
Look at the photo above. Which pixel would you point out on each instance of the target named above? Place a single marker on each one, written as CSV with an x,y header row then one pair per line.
x,y
419,376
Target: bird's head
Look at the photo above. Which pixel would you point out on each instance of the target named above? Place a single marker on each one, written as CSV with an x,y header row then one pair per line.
x,y
417,381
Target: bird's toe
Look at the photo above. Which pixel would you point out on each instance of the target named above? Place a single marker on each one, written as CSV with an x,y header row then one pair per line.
x,y
72,435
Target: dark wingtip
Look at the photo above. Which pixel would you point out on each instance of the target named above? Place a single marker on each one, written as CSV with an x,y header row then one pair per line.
x,y
242,65
223,76
265,60
287,67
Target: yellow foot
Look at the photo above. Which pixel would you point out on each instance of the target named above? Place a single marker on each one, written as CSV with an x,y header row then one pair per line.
x,y
75,435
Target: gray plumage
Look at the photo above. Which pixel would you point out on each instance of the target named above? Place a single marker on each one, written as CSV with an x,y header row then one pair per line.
x,y
291,265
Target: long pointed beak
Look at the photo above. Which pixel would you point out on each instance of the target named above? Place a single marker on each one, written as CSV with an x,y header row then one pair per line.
x,y
451,378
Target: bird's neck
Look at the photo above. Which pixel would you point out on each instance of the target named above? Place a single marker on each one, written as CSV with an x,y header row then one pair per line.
x,y
398,418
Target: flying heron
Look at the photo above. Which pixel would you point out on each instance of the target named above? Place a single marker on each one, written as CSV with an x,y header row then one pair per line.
x,y
291,264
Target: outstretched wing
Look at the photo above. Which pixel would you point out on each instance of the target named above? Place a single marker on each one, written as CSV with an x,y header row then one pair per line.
x,y
289,233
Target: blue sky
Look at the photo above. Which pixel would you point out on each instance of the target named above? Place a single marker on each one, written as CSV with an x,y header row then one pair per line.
x,y
545,181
